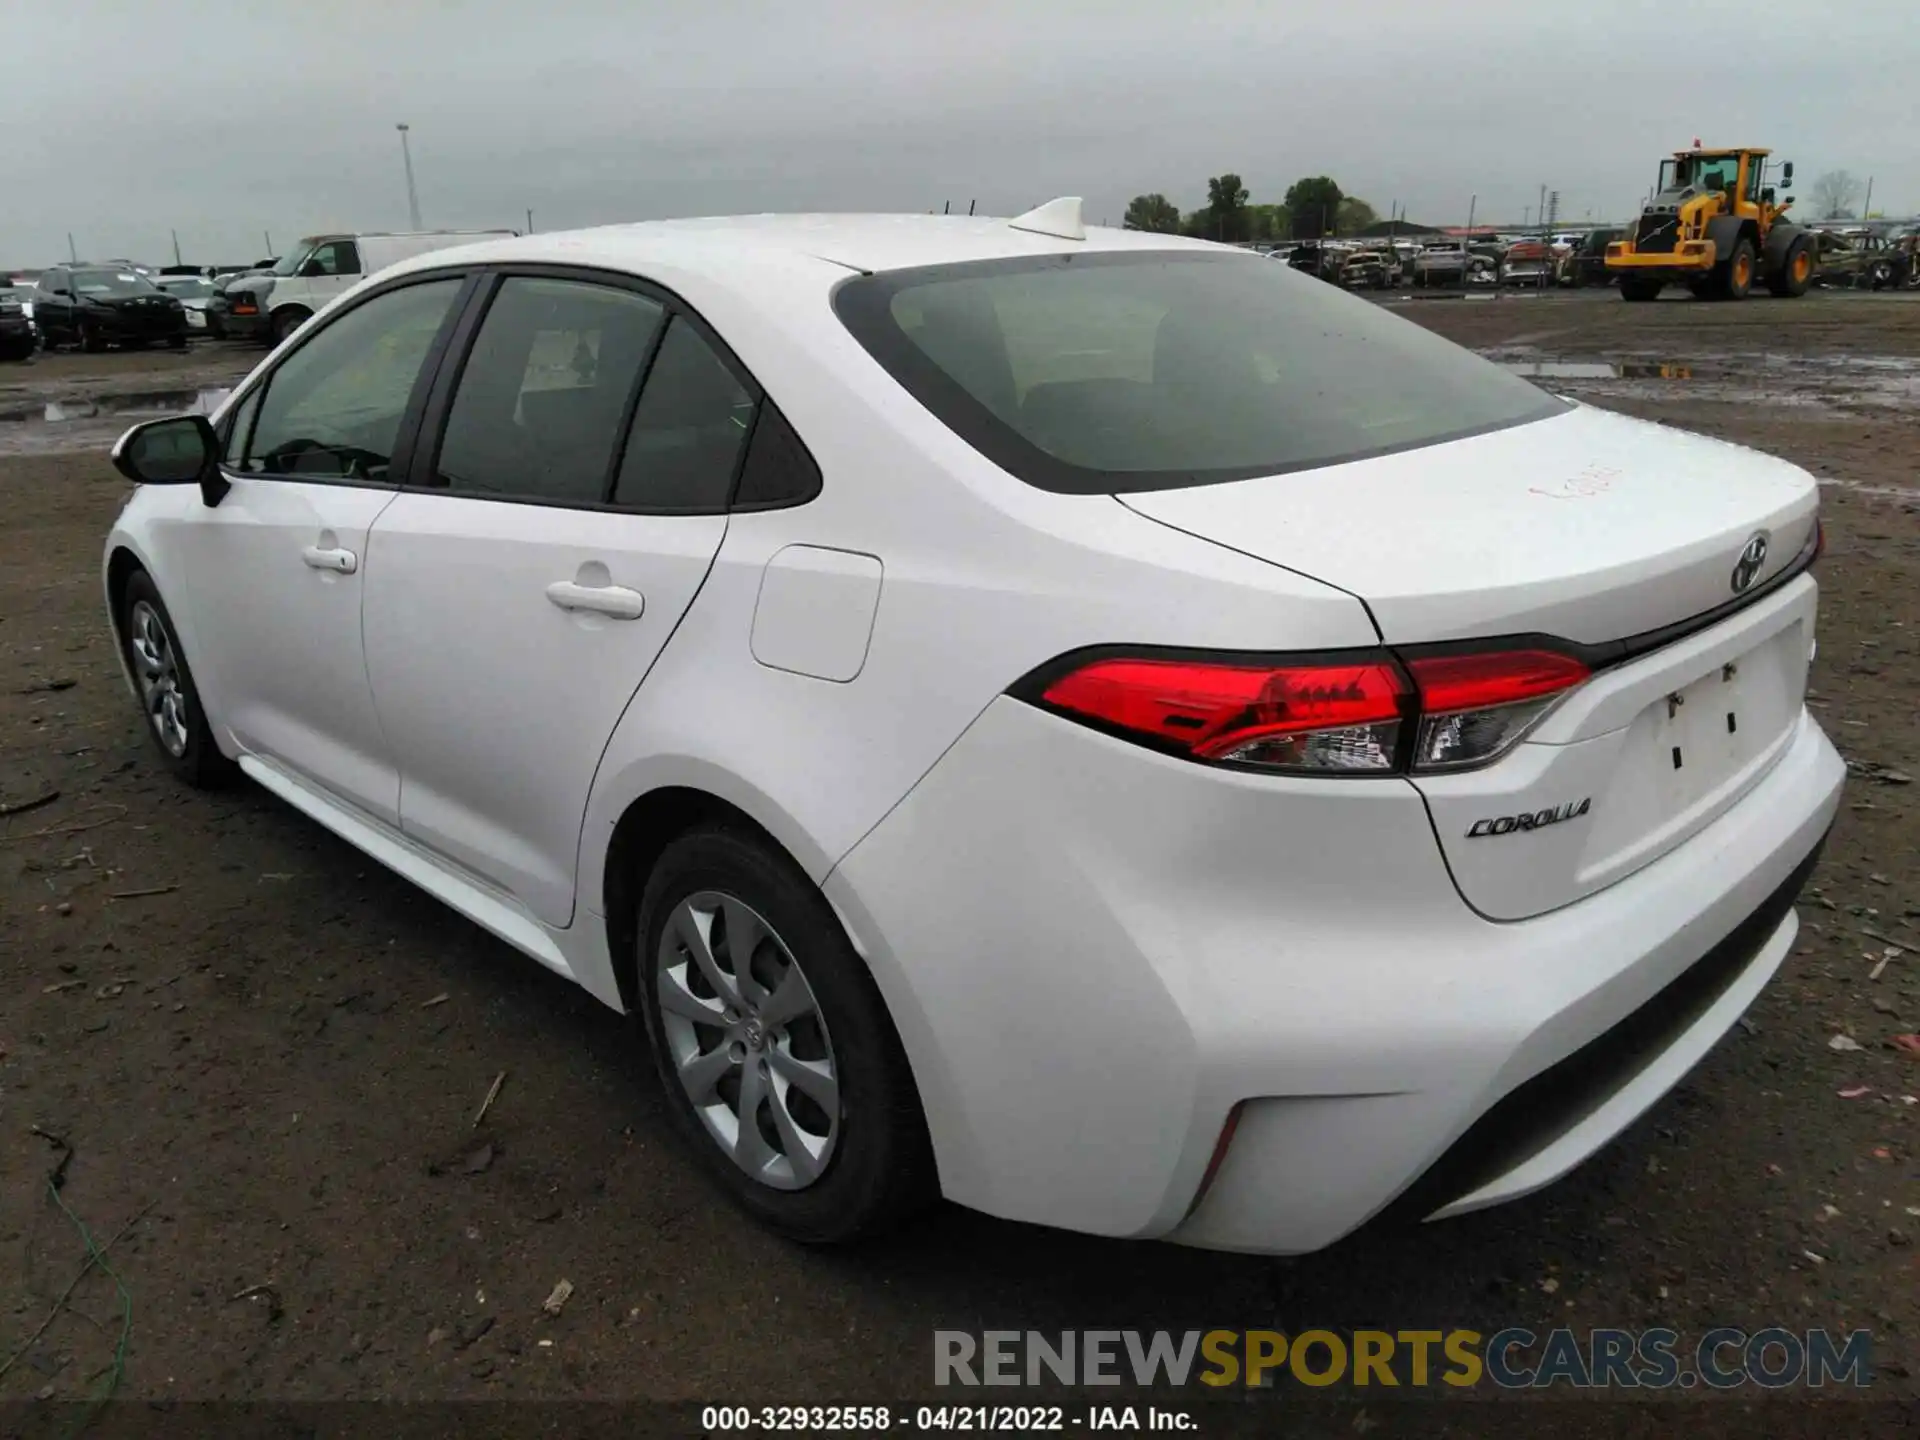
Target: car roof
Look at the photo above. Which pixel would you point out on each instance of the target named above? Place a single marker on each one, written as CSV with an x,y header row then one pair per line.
x,y
855,242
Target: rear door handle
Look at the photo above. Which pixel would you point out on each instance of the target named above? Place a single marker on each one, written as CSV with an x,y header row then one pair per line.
x,y
341,562
612,600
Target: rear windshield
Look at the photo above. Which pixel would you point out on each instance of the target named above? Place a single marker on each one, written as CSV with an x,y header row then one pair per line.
x,y
1103,373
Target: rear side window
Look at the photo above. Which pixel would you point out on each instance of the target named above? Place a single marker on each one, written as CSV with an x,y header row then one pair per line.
x,y
779,469
333,408
688,431
1135,371
545,390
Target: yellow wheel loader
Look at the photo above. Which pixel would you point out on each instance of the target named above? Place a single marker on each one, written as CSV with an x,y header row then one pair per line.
x,y
1714,225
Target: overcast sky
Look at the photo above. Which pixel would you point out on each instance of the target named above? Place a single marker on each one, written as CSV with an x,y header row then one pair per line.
x,y
121,119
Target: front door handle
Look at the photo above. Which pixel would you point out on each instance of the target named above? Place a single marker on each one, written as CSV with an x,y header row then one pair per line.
x,y
341,562
615,601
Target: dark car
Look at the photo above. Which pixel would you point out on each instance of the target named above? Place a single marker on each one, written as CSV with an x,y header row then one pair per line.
x,y
16,328
94,306
1587,265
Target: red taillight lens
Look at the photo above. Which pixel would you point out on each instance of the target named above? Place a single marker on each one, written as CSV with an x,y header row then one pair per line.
x,y
1474,707
1298,717
1365,715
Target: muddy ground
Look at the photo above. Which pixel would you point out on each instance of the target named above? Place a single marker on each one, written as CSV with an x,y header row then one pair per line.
x,y
265,1054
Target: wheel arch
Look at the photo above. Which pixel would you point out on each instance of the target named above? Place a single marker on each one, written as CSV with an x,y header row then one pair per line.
x,y
1727,231
294,307
122,563
648,824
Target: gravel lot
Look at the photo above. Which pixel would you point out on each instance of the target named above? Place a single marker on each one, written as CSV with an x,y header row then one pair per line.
x,y
274,1062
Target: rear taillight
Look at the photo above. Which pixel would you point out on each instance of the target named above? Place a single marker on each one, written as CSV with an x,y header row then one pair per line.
x,y
1474,707
1370,714
1292,717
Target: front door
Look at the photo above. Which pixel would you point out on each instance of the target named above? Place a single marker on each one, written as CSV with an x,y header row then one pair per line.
x,y
332,269
520,596
276,571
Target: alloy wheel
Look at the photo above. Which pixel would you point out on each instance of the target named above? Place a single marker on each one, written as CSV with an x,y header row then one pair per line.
x,y
747,1040
156,668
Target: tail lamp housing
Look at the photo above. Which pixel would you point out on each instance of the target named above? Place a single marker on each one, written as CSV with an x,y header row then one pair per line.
x,y
1343,714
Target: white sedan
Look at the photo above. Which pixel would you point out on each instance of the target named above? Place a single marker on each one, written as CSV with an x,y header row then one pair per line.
x,y
1091,724
193,292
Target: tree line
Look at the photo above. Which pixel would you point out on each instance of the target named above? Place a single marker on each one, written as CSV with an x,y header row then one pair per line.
x,y
1313,207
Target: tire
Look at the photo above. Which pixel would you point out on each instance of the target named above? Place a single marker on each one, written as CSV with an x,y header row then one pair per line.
x,y
285,322
175,720
1795,274
1733,277
864,1158
1635,289
1880,276
90,340
176,342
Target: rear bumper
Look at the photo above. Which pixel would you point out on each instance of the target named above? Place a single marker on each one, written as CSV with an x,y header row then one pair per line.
x,y
1096,955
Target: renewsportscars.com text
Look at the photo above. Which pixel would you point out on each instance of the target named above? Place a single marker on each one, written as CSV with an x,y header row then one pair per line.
x,y
1513,1358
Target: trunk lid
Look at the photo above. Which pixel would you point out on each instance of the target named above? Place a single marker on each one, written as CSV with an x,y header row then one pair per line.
x,y
1587,527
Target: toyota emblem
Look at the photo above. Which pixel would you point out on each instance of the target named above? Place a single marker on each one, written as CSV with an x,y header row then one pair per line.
x,y
1753,560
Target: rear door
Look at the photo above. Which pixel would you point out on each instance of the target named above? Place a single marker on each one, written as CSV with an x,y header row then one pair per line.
x,y
547,548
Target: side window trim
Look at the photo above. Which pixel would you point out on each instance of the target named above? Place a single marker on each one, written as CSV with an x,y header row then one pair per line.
x,y
420,474
623,436
424,459
405,442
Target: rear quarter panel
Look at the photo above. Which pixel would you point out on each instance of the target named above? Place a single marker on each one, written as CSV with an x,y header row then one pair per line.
x,y
983,578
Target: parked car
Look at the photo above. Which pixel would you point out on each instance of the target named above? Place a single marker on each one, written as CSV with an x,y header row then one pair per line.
x,y
92,307
194,292
273,305
1587,263
1527,262
1859,258
1090,782
17,337
1445,264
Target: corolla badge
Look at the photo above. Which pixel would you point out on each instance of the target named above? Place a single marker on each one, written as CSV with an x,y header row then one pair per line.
x,y
1536,820
1753,560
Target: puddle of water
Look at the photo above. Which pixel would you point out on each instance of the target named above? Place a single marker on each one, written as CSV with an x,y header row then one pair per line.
x,y
61,427
1861,487
140,405
1843,383
1609,369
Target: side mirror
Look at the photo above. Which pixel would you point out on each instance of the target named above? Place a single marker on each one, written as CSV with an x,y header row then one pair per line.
x,y
179,450
311,269
1786,173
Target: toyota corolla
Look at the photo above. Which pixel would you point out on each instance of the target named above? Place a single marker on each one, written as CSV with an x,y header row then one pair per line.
x,y
1091,724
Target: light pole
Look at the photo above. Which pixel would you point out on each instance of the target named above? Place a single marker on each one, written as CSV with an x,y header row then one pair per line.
x,y
406,158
